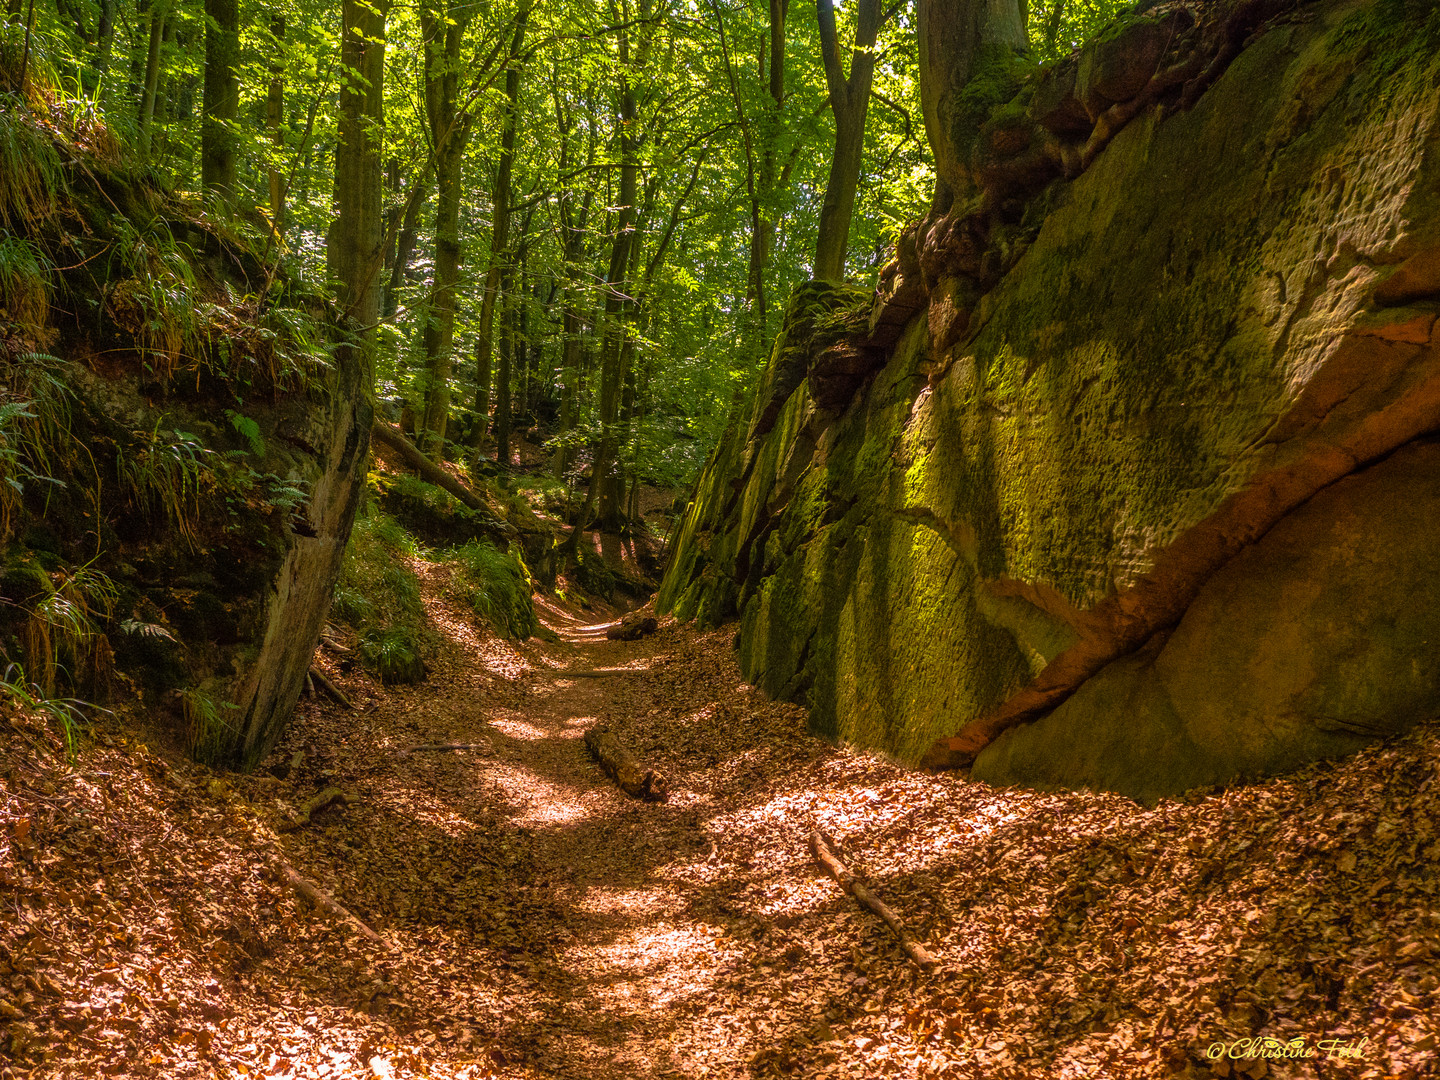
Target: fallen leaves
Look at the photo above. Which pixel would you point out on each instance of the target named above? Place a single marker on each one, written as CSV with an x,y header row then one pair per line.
x,y
537,922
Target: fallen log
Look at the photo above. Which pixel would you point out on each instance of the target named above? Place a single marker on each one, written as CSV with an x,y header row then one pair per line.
x,y
323,901
324,682
627,771
428,470
632,627
846,880
325,798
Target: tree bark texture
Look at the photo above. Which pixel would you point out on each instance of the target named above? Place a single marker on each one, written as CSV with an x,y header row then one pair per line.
x,y
428,470
849,101
918,954
443,27
222,97
624,768
499,232
954,39
159,10
274,119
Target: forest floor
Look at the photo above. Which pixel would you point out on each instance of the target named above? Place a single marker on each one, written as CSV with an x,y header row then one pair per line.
x,y
536,922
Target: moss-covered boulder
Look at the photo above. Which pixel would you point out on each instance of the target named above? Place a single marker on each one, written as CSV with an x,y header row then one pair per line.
x,y
1057,510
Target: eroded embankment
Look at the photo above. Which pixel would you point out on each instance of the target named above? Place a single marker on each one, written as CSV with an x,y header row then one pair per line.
x,y
1225,320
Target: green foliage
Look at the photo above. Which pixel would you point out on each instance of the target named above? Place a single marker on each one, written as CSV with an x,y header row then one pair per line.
x,y
496,585
67,712
157,298
209,731
35,437
164,474
248,430
24,284
378,594
31,179
1058,27
393,654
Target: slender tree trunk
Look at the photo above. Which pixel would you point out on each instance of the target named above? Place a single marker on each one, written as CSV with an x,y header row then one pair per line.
x,y
104,41
354,245
393,212
500,226
484,376
502,376
274,118
159,9
849,99
222,97
444,30
405,243
613,328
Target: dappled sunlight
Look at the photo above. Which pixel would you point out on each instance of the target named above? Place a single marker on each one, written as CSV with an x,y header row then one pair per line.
x,y
599,900
519,729
534,800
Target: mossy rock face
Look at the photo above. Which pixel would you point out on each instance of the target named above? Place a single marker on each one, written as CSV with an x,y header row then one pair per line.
x,y
1189,353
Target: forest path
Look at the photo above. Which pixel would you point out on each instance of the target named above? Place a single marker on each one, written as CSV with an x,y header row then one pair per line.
x,y
554,926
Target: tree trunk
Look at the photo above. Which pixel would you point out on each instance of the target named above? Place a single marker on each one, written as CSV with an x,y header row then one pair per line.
x,y
159,9
428,470
265,693
628,772
405,243
956,37
502,374
613,333
274,118
849,101
500,230
222,97
354,245
444,30
104,41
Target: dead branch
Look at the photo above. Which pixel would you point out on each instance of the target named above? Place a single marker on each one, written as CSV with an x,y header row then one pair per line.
x,y
323,901
323,681
846,880
325,798
431,473
633,778
440,748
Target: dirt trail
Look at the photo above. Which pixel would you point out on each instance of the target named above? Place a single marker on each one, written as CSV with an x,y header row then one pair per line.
x,y
540,923
580,932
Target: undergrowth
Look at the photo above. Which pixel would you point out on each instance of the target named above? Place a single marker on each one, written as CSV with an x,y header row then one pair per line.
x,y
496,585
378,595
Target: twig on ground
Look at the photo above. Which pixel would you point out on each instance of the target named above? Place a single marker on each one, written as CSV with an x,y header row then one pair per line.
x,y
323,681
323,901
846,880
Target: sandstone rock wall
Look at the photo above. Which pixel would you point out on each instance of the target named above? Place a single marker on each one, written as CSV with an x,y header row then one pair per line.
x,y
1123,424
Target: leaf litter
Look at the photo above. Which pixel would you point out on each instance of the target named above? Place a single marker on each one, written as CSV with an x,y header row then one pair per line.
x,y
537,922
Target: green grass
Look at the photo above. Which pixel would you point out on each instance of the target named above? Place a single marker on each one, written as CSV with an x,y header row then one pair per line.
x,y
496,585
379,596
31,179
24,285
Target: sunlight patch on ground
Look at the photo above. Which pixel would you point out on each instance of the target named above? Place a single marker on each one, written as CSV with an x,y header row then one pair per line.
x,y
519,729
599,901
656,966
543,802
